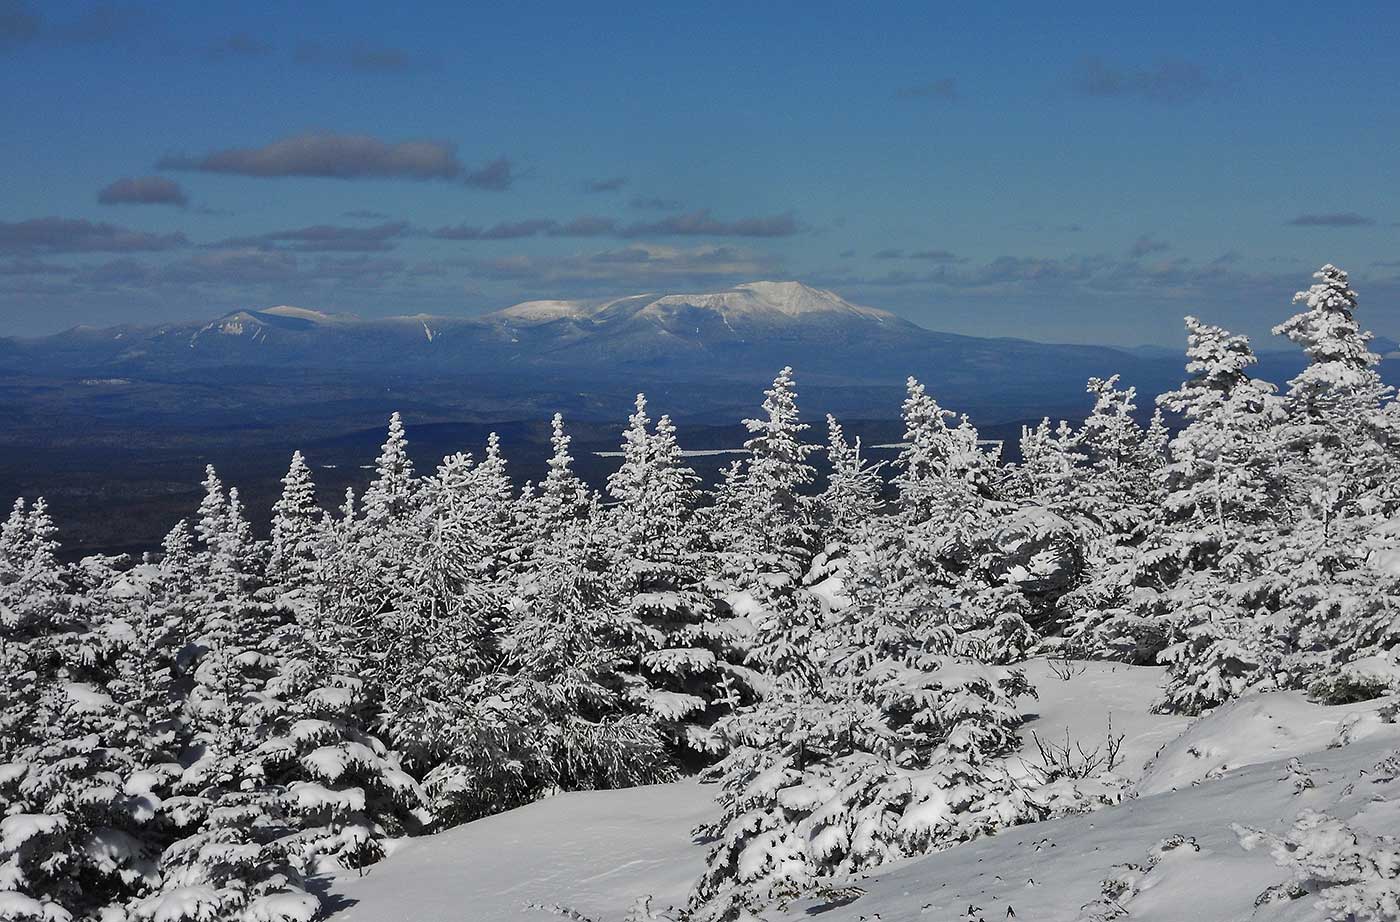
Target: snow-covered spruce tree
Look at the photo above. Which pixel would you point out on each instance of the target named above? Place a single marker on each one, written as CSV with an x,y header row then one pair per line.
x,y
1223,491
688,667
348,594
563,496
31,584
223,821
292,550
1224,469
1351,871
763,534
343,791
85,787
71,840
562,679
885,741
390,495
939,553
443,626
361,557
1044,540
1332,605
852,493
34,609
893,751
1048,466
1117,496
238,862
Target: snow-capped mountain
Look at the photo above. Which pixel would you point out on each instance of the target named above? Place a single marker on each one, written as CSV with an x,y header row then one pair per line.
x,y
751,301
740,333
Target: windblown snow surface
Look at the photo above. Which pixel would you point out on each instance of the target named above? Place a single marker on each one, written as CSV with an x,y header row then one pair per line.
x,y
596,852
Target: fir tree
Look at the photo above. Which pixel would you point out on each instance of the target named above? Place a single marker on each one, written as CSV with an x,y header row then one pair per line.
x,y
686,659
852,492
292,550
390,495
562,495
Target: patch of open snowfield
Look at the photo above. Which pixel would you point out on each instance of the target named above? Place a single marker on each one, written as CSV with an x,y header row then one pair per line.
x,y
593,851
1175,851
1098,698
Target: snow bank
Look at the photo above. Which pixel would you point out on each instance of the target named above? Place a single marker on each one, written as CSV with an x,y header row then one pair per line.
x,y
1259,728
1173,853
1098,695
594,851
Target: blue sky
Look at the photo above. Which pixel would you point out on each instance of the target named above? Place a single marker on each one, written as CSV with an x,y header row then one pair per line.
x,y
1086,173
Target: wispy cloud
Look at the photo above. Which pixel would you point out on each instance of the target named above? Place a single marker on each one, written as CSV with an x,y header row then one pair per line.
x,y
371,59
1147,245
20,24
327,238
945,88
636,264
610,184
345,156
693,224
33,267
1332,219
104,22
76,235
360,58
1168,80
932,256
497,175
702,224
505,230
937,256
586,226
1037,227
240,45
241,268
143,190
654,203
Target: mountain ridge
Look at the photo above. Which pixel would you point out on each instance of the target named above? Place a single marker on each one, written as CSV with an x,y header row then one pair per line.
x,y
758,300
737,336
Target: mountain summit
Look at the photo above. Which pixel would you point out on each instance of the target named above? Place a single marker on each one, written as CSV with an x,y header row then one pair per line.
x,y
741,333
751,301
789,299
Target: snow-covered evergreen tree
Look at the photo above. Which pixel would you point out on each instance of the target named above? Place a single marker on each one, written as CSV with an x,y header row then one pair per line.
x,y
880,733
563,496
390,494
688,663
853,488
763,534
1222,486
292,549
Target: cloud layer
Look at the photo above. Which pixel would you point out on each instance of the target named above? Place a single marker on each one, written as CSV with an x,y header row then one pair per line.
x,y
692,224
327,238
1332,219
143,190
347,156
1169,80
75,235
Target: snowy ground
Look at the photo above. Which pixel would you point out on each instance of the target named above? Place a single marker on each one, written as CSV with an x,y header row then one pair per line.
x,y
596,852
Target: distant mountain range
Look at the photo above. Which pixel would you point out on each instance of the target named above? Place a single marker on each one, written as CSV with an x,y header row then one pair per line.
x,y
749,330
115,425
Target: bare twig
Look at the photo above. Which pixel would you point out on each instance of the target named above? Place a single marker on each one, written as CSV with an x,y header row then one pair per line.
x,y
1071,760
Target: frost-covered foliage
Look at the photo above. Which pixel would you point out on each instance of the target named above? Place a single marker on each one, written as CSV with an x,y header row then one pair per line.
x,y
882,723
1356,875
191,737
1275,556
